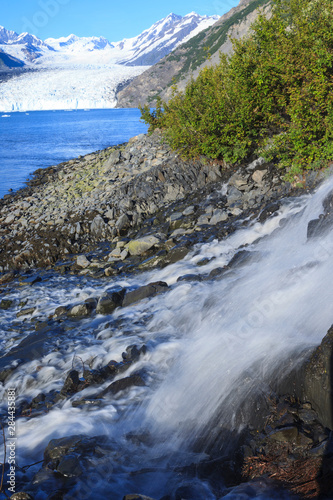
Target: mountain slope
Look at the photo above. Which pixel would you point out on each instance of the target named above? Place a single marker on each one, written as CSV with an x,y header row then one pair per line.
x,y
159,40
187,59
8,62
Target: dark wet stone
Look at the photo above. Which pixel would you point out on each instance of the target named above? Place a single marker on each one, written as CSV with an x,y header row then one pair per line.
x,y
269,210
124,383
72,383
8,277
175,254
26,312
318,378
136,497
287,434
32,280
217,272
133,353
34,346
61,311
57,448
6,304
190,277
144,292
83,310
21,495
109,301
69,466
241,258
320,226
203,262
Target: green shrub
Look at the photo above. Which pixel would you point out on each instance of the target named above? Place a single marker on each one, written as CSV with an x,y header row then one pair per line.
x,y
273,96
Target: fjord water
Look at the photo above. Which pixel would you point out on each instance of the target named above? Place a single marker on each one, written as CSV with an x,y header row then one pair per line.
x,y
39,139
210,345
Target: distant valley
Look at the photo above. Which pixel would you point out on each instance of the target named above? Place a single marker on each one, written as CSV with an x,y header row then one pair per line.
x,y
84,72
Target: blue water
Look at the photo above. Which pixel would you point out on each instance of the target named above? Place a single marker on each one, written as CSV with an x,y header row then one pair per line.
x,y
40,139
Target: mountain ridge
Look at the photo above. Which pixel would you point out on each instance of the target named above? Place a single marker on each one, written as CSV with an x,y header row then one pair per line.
x,y
190,57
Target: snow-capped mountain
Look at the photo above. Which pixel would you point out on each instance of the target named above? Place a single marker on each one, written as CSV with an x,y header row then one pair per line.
x,y
73,43
161,38
84,72
145,49
7,35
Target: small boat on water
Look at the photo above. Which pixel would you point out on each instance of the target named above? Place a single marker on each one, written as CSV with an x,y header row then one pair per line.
x,y
5,116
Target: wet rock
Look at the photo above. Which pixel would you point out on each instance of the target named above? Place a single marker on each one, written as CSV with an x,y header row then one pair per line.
x,y
175,254
6,303
61,311
26,312
218,272
57,448
287,434
83,310
69,466
133,353
241,258
123,384
189,277
320,226
71,384
7,278
109,301
21,495
317,380
144,292
268,211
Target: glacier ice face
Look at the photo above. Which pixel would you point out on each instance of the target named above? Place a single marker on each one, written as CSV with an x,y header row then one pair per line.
x,y
84,72
79,88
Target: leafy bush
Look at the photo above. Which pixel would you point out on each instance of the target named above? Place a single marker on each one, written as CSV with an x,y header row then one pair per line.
x,y
272,96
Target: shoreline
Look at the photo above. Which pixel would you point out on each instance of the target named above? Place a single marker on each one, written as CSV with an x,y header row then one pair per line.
x,y
138,207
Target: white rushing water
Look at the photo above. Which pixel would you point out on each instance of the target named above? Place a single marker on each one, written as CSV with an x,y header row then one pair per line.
x,y
210,343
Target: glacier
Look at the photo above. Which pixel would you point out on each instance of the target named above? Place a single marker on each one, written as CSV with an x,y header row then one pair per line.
x,y
65,88
85,72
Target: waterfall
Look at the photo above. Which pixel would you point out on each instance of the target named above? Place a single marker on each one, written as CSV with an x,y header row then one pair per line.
x,y
211,344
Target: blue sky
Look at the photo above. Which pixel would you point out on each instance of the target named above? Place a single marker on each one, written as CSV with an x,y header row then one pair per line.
x,y
113,19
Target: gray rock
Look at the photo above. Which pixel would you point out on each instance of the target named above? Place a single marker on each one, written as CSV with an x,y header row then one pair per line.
x,y
141,245
109,301
255,164
82,261
9,219
98,226
122,222
218,216
83,310
189,210
258,176
123,384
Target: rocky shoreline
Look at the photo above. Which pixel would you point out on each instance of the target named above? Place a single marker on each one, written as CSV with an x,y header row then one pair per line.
x,y
137,207
126,192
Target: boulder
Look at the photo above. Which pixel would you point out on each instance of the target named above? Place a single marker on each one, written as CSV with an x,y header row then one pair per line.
x,y
109,300
82,261
144,292
141,245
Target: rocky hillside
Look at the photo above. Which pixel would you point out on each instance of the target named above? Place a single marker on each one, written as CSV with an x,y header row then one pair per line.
x,y
189,58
